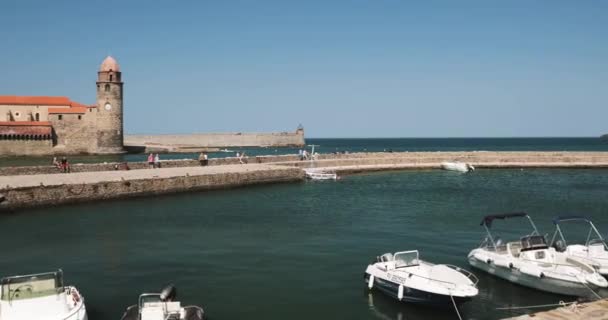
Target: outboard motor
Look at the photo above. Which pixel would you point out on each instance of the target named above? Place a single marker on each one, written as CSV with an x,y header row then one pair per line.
x,y
168,293
559,246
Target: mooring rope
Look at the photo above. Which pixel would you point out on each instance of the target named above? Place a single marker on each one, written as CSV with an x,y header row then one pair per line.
x,y
560,304
455,306
586,286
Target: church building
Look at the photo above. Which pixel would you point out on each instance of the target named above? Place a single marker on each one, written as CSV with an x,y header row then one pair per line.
x,y
41,125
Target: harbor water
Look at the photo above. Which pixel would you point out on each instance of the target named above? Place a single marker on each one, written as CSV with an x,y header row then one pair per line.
x,y
295,251
329,145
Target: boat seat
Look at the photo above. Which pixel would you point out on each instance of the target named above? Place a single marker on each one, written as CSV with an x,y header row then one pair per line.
x,y
515,248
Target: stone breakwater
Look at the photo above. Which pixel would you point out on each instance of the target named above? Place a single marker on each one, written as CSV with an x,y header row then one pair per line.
x,y
52,189
362,162
22,187
367,161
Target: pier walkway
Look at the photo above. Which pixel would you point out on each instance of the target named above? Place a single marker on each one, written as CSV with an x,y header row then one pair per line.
x,y
597,310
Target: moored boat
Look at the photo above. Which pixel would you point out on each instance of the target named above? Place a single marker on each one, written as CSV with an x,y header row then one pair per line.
x,y
405,277
315,174
457,166
162,306
593,251
532,263
40,296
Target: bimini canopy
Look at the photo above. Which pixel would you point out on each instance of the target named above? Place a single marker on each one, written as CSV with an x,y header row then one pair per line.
x,y
559,219
487,220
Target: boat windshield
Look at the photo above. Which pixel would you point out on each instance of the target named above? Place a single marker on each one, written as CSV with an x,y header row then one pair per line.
x,y
406,259
32,286
148,298
533,243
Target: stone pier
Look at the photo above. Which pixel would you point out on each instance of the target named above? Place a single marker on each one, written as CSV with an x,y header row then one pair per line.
x,y
52,189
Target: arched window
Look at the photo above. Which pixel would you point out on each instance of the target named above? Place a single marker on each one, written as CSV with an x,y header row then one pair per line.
x,y
107,88
111,77
37,116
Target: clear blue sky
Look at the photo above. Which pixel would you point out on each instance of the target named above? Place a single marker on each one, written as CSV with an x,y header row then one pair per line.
x,y
368,68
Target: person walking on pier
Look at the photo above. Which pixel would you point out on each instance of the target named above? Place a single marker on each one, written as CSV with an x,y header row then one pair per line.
x,y
151,161
157,161
203,159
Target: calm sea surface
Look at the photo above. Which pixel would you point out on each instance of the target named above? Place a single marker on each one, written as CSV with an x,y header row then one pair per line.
x,y
295,251
362,145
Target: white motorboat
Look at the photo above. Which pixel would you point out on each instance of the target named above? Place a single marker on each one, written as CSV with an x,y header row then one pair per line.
x,y
532,263
315,174
42,297
594,251
457,166
405,277
161,306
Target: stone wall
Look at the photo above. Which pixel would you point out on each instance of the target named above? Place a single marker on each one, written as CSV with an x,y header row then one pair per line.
x,y
41,194
111,166
221,140
25,112
74,132
21,147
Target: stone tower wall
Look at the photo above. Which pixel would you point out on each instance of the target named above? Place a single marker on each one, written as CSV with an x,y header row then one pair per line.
x,y
74,133
109,122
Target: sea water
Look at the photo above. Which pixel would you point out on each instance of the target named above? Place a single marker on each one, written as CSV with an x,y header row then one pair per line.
x,y
296,251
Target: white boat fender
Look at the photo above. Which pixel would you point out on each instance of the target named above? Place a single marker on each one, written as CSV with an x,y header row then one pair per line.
x,y
502,263
370,282
400,292
535,272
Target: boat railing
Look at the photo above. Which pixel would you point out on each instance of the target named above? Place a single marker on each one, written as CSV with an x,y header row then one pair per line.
x,y
74,313
575,264
466,272
450,285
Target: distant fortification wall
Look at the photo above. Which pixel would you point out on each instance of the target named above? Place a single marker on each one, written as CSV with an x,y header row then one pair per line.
x,y
220,140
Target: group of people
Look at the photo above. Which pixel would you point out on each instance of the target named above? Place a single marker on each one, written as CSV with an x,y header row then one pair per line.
x,y
305,155
62,165
153,161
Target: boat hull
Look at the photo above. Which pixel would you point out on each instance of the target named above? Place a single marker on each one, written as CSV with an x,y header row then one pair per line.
x,y
547,284
414,296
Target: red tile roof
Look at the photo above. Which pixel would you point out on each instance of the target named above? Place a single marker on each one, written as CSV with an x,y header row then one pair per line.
x,y
41,101
25,128
25,123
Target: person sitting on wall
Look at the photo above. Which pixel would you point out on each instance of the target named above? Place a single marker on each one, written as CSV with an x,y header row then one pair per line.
x,y
205,159
65,165
56,163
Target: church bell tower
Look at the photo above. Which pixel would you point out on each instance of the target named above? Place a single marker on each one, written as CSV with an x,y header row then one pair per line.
x,y
109,107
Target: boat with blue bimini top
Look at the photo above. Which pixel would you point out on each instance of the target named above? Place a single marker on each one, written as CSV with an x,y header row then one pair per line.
x,y
40,296
593,250
405,277
532,263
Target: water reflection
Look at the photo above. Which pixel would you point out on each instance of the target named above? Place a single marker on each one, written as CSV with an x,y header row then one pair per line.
x,y
385,308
